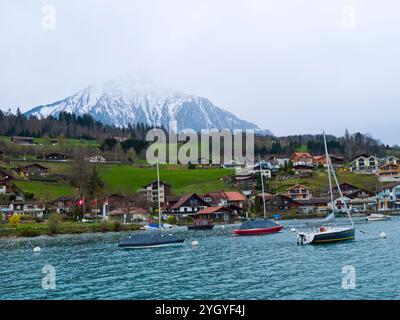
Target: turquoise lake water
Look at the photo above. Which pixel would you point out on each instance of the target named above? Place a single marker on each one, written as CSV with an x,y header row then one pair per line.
x,y
223,266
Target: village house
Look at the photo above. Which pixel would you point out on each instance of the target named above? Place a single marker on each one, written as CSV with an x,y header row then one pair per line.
x,y
313,205
390,160
55,156
224,198
5,181
280,161
5,208
365,164
388,196
129,214
33,170
32,208
389,172
117,200
264,165
96,159
336,161
303,170
299,192
346,189
224,214
245,177
277,202
151,191
64,204
23,141
302,158
188,205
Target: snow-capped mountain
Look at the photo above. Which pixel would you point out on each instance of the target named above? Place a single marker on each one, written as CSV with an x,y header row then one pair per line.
x,y
130,100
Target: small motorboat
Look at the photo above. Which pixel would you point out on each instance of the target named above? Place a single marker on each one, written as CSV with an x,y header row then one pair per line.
x,y
201,224
378,217
150,240
258,227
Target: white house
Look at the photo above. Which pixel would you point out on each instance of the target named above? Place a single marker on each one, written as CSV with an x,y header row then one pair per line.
x,y
96,159
365,164
390,160
388,197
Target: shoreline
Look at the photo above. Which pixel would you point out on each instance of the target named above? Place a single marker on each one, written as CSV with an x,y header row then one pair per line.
x,y
32,230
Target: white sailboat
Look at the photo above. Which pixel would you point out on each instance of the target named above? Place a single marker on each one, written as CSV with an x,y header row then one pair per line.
x,y
325,231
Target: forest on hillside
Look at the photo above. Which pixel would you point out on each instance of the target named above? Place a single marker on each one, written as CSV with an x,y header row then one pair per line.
x,y
70,126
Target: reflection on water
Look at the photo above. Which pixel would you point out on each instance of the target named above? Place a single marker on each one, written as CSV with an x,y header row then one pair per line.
x,y
223,266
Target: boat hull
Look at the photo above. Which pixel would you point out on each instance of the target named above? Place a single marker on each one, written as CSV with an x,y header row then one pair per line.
x,y
259,231
378,217
141,241
329,237
173,244
209,227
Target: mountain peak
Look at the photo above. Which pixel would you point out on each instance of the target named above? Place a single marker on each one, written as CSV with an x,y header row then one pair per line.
x,y
130,99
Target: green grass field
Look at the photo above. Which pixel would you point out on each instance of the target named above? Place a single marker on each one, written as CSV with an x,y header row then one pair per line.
x,y
65,142
319,182
128,179
46,191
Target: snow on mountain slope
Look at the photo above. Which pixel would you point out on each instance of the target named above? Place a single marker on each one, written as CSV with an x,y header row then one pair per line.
x,y
130,100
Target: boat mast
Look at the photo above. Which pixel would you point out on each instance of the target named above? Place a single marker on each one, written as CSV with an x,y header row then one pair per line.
x,y
337,183
342,197
158,196
262,186
328,162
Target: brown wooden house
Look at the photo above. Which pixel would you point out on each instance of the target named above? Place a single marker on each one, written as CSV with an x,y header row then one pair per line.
x,y
33,170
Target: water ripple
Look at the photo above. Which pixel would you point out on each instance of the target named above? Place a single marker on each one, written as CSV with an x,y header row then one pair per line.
x,y
91,266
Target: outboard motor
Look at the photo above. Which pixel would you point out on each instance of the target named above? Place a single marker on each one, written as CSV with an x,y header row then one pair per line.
x,y
300,239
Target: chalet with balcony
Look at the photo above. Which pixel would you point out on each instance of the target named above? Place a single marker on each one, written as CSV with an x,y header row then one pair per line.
x,y
299,192
336,161
390,160
224,214
346,188
365,164
388,196
224,198
32,208
188,205
302,170
151,191
33,170
302,158
277,202
389,172
313,205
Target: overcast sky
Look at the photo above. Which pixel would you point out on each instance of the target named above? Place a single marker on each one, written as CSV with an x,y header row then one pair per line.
x,y
291,66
